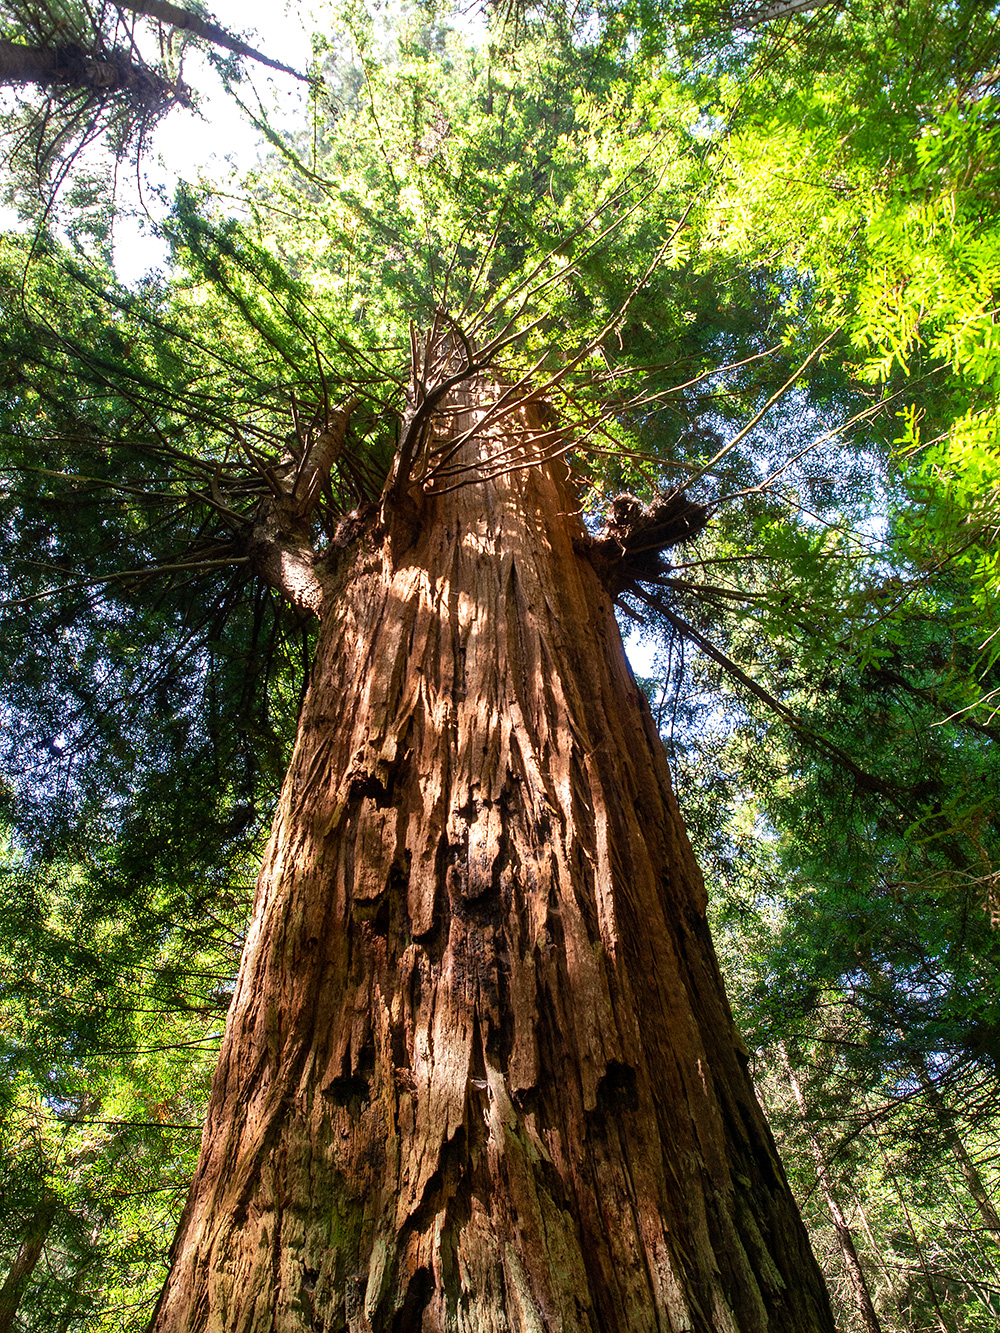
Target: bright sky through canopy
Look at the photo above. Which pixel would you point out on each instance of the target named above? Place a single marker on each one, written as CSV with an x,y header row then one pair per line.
x,y
215,140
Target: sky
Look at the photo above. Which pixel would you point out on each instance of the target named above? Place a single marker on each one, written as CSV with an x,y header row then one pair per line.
x,y
217,142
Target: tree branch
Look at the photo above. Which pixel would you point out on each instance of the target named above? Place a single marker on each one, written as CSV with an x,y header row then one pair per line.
x,y
866,780
209,32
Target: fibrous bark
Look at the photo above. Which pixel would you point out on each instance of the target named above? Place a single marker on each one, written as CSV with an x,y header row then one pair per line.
x,y
479,1071
629,548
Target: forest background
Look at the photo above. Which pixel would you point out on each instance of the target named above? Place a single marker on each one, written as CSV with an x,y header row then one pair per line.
x,y
753,253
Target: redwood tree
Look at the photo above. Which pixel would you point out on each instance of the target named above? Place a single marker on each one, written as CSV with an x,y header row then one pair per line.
x,y
479,1071
76,75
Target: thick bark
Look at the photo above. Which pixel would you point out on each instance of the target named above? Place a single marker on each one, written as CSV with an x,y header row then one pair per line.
x,y
25,1262
479,1071
849,1252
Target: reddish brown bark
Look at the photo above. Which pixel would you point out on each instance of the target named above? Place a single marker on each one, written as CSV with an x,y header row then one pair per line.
x,y
479,1071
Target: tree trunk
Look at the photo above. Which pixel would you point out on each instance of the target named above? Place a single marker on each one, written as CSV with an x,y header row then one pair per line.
x,y
935,1304
479,1071
970,1173
184,20
848,1250
67,65
25,1262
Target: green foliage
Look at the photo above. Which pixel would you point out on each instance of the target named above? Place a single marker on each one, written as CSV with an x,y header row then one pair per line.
x,y
886,175
148,714
849,843
113,998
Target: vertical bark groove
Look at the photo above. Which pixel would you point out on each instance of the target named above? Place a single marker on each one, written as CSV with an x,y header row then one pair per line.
x,y
479,1071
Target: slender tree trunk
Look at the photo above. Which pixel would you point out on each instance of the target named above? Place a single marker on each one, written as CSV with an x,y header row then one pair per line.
x,y
848,1250
25,1262
943,1325
178,17
68,64
781,9
970,1173
877,1249
479,1071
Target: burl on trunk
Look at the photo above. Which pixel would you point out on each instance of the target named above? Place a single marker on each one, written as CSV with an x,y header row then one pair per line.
x,y
479,1071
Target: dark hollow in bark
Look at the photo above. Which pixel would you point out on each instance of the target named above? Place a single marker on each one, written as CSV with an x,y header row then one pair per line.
x,y
479,1072
629,548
